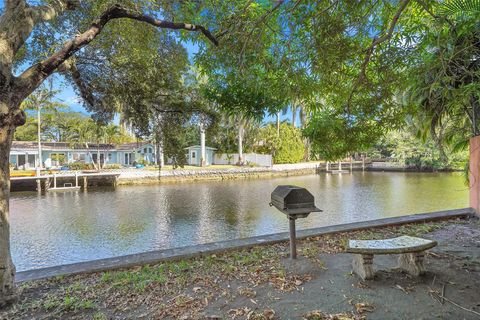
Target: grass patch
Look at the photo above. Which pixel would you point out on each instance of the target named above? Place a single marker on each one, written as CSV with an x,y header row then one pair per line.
x,y
67,303
138,278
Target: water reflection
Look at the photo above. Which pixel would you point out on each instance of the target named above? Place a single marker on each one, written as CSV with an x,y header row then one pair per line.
x,y
59,228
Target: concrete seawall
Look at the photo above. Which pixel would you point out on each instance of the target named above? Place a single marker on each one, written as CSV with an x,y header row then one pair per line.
x,y
128,177
172,254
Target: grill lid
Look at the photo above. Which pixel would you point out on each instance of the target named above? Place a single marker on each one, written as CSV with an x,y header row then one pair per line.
x,y
293,200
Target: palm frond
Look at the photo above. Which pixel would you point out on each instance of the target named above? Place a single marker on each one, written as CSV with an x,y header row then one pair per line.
x,y
460,7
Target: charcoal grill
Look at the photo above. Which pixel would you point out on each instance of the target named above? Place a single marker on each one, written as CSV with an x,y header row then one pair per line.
x,y
295,202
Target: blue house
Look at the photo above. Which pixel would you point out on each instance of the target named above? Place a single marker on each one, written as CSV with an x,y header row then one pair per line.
x,y
24,154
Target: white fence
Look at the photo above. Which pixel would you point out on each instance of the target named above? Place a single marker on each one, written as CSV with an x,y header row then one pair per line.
x,y
264,160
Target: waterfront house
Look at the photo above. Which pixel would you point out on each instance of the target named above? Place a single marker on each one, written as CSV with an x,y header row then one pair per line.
x,y
24,154
194,155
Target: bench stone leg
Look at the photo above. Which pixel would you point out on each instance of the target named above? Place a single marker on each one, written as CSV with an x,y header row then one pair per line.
x,y
363,266
412,263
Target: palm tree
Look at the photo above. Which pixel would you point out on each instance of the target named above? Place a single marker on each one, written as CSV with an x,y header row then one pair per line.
x,y
41,99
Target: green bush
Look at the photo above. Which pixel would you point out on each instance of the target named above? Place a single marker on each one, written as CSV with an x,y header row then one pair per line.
x,y
252,164
80,166
112,166
287,147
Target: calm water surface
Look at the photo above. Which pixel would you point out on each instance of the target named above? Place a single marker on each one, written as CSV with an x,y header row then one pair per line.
x,y
60,228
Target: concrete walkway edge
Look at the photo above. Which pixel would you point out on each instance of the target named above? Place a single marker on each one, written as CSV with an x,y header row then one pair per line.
x,y
152,257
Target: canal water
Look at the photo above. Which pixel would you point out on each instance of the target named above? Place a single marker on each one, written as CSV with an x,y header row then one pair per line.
x,y
60,228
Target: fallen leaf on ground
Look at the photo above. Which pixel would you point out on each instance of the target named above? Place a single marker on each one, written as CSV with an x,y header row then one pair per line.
x,y
364,307
319,315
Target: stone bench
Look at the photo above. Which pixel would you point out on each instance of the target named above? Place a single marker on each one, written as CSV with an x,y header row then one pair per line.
x,y
411,250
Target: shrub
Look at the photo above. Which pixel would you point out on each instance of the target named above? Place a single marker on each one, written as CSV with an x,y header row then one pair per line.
x,y
287,147
252,164
112,166
80,166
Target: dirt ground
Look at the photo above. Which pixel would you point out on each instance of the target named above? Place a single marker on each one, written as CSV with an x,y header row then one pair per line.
x,y
262,283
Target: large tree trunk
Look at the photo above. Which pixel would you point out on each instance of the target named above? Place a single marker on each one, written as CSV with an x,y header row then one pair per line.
x,y
8,291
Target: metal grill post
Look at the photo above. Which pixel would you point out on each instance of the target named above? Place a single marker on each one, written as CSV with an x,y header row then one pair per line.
x,y
293,238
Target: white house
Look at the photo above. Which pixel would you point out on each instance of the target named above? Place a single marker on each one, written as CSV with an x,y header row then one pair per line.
x,y
194,155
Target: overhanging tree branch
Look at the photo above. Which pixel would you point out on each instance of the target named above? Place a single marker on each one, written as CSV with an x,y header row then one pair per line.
x,y
50,11
369,52
384,38
33,76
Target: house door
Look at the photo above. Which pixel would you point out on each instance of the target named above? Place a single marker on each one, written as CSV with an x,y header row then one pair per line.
x,y
21,160
31,160
95,157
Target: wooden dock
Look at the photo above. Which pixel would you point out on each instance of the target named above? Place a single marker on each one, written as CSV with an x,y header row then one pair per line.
x,y
345,166
67,181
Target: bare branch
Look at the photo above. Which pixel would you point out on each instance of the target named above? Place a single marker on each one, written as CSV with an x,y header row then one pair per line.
x,y
34,75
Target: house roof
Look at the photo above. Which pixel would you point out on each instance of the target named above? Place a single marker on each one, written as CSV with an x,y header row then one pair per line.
x,y
132,145
199,147
52,146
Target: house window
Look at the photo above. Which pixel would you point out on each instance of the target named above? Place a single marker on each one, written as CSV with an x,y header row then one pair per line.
x,y
144,150
110,157
31,160
21,160
57,158
127,158
194,154
79,157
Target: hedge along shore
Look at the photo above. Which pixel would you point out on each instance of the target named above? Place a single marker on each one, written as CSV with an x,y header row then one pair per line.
x,y
129,177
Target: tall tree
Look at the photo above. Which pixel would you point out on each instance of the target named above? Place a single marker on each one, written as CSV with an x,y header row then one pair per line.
x,y
33,34
41,100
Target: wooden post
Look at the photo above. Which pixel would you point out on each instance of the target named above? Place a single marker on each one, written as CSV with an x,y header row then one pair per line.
x,y
351,164
327,166
85,183
340,166
474,174
76,179
363,162
54,180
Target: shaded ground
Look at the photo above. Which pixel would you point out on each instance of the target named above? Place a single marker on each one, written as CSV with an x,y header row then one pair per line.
x,y
261,283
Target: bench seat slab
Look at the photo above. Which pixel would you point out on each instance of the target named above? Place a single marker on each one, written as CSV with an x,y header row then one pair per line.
x,y
403,244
